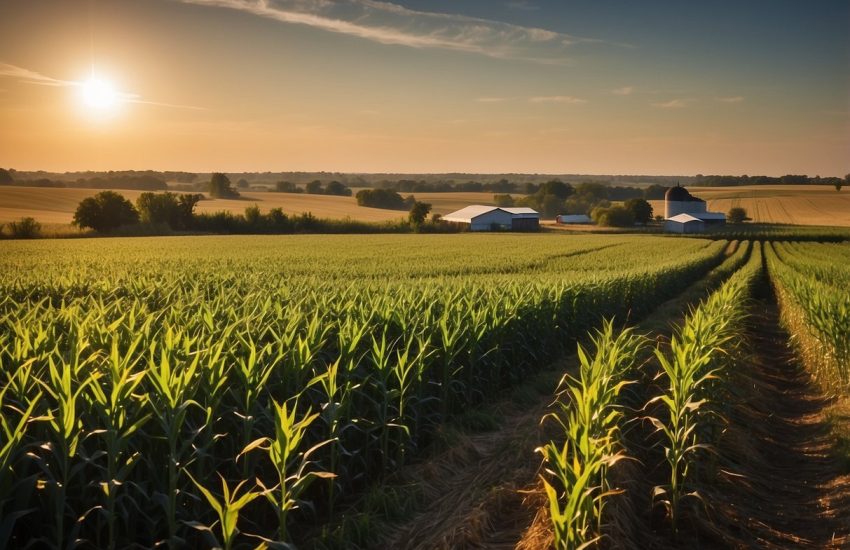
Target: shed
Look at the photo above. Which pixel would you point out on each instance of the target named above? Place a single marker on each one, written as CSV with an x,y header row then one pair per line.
x,y
684,223
712,218
574,219
494,218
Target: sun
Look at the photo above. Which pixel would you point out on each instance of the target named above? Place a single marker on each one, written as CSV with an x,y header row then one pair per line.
x,y
99,94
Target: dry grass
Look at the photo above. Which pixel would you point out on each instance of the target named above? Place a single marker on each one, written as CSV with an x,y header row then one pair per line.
x,y
793,204
56,206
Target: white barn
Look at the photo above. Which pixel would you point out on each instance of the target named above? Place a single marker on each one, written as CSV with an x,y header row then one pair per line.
x,y
495,218
684,223
679,202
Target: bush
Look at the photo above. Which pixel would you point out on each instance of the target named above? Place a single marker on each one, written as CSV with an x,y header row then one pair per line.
x,y
337,188
105,211
418,213
737,215
614,216
25,228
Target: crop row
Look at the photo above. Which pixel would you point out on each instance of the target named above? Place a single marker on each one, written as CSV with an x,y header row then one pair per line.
x,y
591,412
149,396
811,282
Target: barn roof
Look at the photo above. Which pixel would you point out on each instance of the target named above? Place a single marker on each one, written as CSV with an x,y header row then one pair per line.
x,y
469,213
711,215
684,218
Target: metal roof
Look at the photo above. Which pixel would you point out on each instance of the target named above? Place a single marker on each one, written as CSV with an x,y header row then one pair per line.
x,y
710,215
684,218
469,213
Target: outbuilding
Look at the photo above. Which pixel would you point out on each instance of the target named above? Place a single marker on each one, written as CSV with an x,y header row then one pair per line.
x,y
684,223
494,218
573,219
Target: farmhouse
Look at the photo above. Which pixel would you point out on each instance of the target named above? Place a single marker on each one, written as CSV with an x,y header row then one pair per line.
x,y
678,202
494,218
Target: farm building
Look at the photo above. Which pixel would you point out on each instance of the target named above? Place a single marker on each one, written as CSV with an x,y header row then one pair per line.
x,y
495,218
573,219
678,201
684,223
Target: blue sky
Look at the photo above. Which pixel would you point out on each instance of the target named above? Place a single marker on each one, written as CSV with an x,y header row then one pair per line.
x,y
430,86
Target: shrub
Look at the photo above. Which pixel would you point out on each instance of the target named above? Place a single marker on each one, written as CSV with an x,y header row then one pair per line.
x,y
614,216
25,228
105,211
384,198
418,213
737,215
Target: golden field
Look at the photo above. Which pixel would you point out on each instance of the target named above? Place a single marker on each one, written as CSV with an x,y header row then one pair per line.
x,y
792,204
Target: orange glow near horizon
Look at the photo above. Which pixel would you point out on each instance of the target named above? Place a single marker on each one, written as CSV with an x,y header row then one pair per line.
x,y
205,86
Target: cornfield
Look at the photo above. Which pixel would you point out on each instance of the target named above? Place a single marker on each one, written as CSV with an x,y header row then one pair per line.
x,y
232,390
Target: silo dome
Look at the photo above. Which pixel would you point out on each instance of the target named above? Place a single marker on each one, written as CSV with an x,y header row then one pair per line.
x,y
678,193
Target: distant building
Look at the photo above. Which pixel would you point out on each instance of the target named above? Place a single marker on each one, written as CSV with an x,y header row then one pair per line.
x,y
496,218
573,219
684,223
678,201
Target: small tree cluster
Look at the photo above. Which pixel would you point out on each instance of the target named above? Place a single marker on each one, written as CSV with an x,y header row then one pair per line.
x,y
613,216
332,188
105,212
25,228
384,198
220,187
737,215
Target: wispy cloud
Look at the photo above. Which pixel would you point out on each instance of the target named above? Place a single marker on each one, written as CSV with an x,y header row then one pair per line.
x,y
28,76
731,99
625,90
674,104
557,99
389,23
491,99
522,5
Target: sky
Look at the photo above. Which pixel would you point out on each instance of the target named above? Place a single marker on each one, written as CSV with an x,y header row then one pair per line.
x,y
415,86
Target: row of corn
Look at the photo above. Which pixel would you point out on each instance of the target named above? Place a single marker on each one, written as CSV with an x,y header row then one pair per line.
x,y
197,402
592,415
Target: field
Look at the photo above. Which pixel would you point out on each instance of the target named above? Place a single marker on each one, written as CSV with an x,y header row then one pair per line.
x,y
207,391
786,204
792,204
56,206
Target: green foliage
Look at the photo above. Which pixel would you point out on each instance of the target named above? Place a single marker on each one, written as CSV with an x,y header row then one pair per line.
x,y
737,215
640,209
25,228
220,187
171,209
418,213
613,216
105,212
130,369
384,198
591,417
314,188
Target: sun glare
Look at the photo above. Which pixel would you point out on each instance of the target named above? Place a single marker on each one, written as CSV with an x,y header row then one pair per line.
x,y
99,94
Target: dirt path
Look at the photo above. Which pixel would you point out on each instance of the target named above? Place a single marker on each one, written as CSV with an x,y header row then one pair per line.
x,y
793,493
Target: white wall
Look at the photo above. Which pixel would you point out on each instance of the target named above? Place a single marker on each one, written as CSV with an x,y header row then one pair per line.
x,y
485,221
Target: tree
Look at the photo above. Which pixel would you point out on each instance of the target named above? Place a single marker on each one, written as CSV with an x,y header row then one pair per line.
x,y
614,216
337,188
558,188
839,184
220,187
242,183
737,215
314,188
641,209
503,200
105,211
176,211
418,213
6,177
287,187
